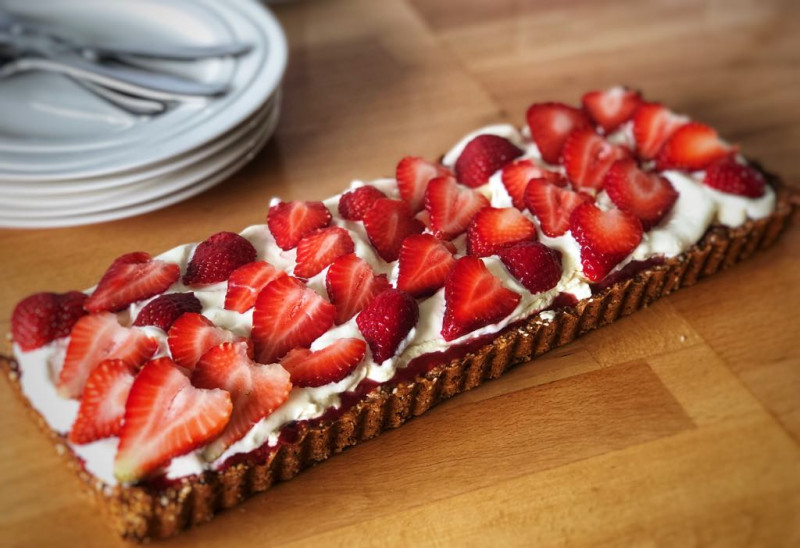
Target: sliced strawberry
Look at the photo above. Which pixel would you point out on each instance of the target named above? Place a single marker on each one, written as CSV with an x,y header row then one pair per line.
x,y
587,157
517,175
388,223
492,229
256,390
413,175
536,266
611,108
474,298
423,265
692,147
352,284
166,417
482,156
320,248
99,337
425,218
103,403
552,204
43,317
130,278
649,196
246,282
451,206
288,315
550,124
605,238
192,335
165,309
355,203
653,124
330,364
215,258
386,321
290,221
727,175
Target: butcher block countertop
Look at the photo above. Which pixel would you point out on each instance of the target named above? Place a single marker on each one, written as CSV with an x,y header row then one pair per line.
x,y
677,426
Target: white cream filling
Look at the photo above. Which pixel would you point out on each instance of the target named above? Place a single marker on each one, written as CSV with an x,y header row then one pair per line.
x,y
696,209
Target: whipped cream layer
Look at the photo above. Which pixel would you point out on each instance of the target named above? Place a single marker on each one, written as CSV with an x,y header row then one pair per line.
x,y
697,208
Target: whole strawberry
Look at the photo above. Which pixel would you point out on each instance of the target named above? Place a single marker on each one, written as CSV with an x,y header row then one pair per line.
x,y
218,256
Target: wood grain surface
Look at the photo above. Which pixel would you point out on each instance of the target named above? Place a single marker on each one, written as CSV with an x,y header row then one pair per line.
x,y
678,426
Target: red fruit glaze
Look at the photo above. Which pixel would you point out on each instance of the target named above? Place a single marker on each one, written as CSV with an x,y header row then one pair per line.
x,y
474,298
130,278
482,156
43,317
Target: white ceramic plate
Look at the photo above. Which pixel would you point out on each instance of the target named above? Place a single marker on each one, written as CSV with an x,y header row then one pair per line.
x,y
150,189
85,143
212,179
64,193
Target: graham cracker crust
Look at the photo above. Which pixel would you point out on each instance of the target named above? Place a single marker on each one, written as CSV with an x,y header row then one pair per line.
x,y
144,512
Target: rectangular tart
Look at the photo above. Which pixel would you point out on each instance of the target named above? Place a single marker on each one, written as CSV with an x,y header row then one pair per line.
x,y
161,505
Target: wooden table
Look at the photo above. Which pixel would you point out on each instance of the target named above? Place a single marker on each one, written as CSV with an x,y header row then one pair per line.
x,y
679,426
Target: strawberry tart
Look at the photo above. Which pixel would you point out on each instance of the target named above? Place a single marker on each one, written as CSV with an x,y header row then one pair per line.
x,y
182,383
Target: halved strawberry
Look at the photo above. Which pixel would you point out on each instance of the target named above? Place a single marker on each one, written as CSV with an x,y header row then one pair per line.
x,y
192,335
352,284
386,322
130,278
587,157
423,265
493,228
605,238
653,124
550,124
165,417
99,337
256,390
413,175
612,107
246,282
290,221
165,309
536,266
649,196
355,203
43,317
103,403
324,366
692,147
451,206
320,248
288,315
482,156
215,258
388,223
517,175
553,204
474,298
727,175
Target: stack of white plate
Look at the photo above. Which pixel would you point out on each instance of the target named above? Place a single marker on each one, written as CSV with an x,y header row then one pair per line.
x,y
69,158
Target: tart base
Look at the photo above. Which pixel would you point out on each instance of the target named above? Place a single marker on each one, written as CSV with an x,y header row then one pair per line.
x,y
160,511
